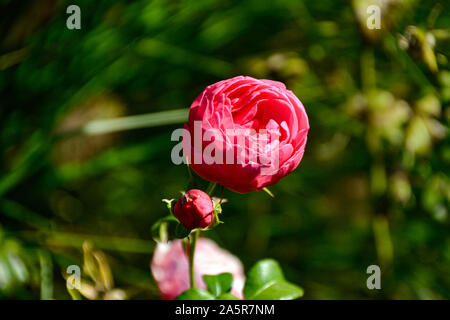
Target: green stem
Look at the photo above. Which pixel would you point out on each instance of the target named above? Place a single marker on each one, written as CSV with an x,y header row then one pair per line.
x,y
194,237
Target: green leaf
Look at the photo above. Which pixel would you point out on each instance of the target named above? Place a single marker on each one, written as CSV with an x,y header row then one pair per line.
x,y
181,232
264,271
227,296
163,229
156,231
279,290
219,284
265,281
195,294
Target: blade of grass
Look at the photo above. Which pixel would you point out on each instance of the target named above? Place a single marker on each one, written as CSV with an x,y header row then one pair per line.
x,y
110,159
46,264
20,213
154,48
407,63
136,122
30,161
75,240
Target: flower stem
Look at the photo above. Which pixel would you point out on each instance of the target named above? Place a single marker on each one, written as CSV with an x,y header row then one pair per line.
x,y
194,237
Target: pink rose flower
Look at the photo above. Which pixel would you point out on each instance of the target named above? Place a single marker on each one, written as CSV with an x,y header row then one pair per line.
x,y
170,267
194,209
257,126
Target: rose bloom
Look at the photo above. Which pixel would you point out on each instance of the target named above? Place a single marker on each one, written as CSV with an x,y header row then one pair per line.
x,y
248,106
170,267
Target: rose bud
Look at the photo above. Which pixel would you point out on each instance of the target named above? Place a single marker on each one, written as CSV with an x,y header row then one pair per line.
x,y
245,133
194,209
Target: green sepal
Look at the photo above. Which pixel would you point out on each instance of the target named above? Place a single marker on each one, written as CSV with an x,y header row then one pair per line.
x,y
217,206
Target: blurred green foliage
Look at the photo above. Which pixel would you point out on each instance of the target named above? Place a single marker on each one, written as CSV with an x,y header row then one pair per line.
x,y
373,187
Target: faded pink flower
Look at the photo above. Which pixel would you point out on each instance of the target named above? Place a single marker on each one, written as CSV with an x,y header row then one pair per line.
x,y
170,267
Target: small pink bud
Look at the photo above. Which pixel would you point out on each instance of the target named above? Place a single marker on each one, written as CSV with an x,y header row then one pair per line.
x,y
194,209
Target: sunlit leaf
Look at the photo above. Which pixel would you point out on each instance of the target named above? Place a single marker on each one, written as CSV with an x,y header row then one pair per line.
x,y
265,281
195,294
219,284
